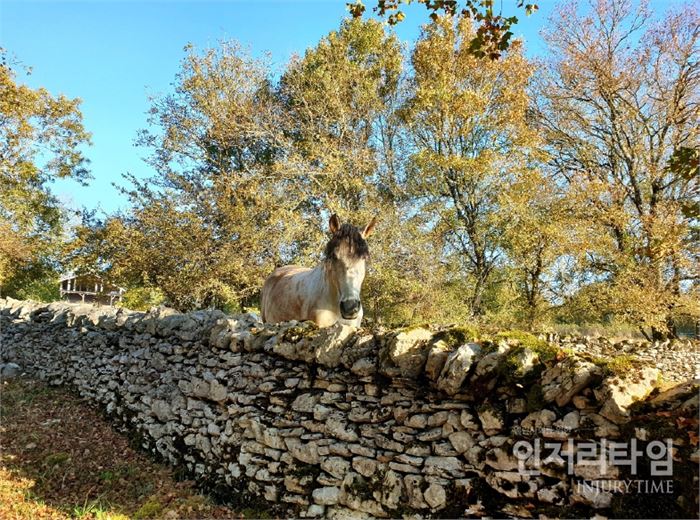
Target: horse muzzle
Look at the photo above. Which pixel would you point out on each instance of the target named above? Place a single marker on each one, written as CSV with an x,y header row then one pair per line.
x,y
349,309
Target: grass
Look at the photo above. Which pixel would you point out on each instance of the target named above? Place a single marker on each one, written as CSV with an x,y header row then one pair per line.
x,y
60,459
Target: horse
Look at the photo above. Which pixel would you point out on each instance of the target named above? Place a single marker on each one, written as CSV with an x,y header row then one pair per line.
x,y
330,292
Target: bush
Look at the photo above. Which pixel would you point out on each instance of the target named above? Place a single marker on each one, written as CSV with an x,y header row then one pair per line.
x,y
141,298
37,282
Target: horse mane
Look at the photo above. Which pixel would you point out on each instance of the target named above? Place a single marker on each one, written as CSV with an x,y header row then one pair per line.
x,y
350,237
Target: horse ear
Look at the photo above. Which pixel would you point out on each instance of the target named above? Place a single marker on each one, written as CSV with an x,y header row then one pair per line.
x,y
334,223
369,228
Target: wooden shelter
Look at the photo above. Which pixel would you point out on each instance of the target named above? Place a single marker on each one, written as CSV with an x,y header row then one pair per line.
x,y
88,288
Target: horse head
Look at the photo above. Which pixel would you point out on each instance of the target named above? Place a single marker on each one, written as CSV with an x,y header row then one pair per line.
x,y
346,256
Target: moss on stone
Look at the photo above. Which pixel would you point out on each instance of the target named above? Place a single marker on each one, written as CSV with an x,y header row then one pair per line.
x,y
524,339
510,368
299,332
613,366
457,336
415,326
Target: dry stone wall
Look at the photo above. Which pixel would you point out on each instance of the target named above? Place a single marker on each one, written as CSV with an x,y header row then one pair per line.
x,y
341,422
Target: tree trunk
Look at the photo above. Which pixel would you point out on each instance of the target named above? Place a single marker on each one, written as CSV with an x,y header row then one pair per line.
x,y
668,332
475,303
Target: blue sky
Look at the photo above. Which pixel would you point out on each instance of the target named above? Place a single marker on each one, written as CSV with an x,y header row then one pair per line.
x,y
114,54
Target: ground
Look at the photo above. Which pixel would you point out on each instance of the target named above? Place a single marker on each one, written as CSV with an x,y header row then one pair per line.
x,y
59,458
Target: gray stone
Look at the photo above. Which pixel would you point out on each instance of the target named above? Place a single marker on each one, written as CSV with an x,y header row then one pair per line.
x,y
414,491
337,426
565,379
592,496
392,490
409,351
435,496
619,392
335,466
457,367
315,510
491,419
305,403
217,391
326,496
462,441
437,356
9,370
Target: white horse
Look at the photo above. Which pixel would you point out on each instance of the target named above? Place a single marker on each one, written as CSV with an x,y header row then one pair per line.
x,y
328,293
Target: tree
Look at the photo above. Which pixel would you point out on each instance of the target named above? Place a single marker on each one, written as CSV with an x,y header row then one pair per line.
x,y
339,99
466,119
342,97
40,140
538,233
620,100
492,35
218,213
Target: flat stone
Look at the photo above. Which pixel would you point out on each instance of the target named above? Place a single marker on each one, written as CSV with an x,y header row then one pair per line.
x,y
501,460
305,403
305,452
449,466
417,421
538,420
9,370
326,496
596,498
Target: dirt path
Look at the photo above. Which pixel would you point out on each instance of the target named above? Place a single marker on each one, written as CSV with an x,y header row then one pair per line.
x,y
60,459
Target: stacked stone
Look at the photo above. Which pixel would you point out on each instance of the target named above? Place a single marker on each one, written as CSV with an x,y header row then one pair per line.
x,y
308,422
677,359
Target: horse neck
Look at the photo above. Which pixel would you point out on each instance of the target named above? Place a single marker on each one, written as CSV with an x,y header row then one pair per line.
x,y
329,284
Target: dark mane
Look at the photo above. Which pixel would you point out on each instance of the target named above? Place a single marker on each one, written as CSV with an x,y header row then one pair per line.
x,y
350,237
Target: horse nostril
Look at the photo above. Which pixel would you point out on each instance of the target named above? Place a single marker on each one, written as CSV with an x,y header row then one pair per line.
x,y
349,307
